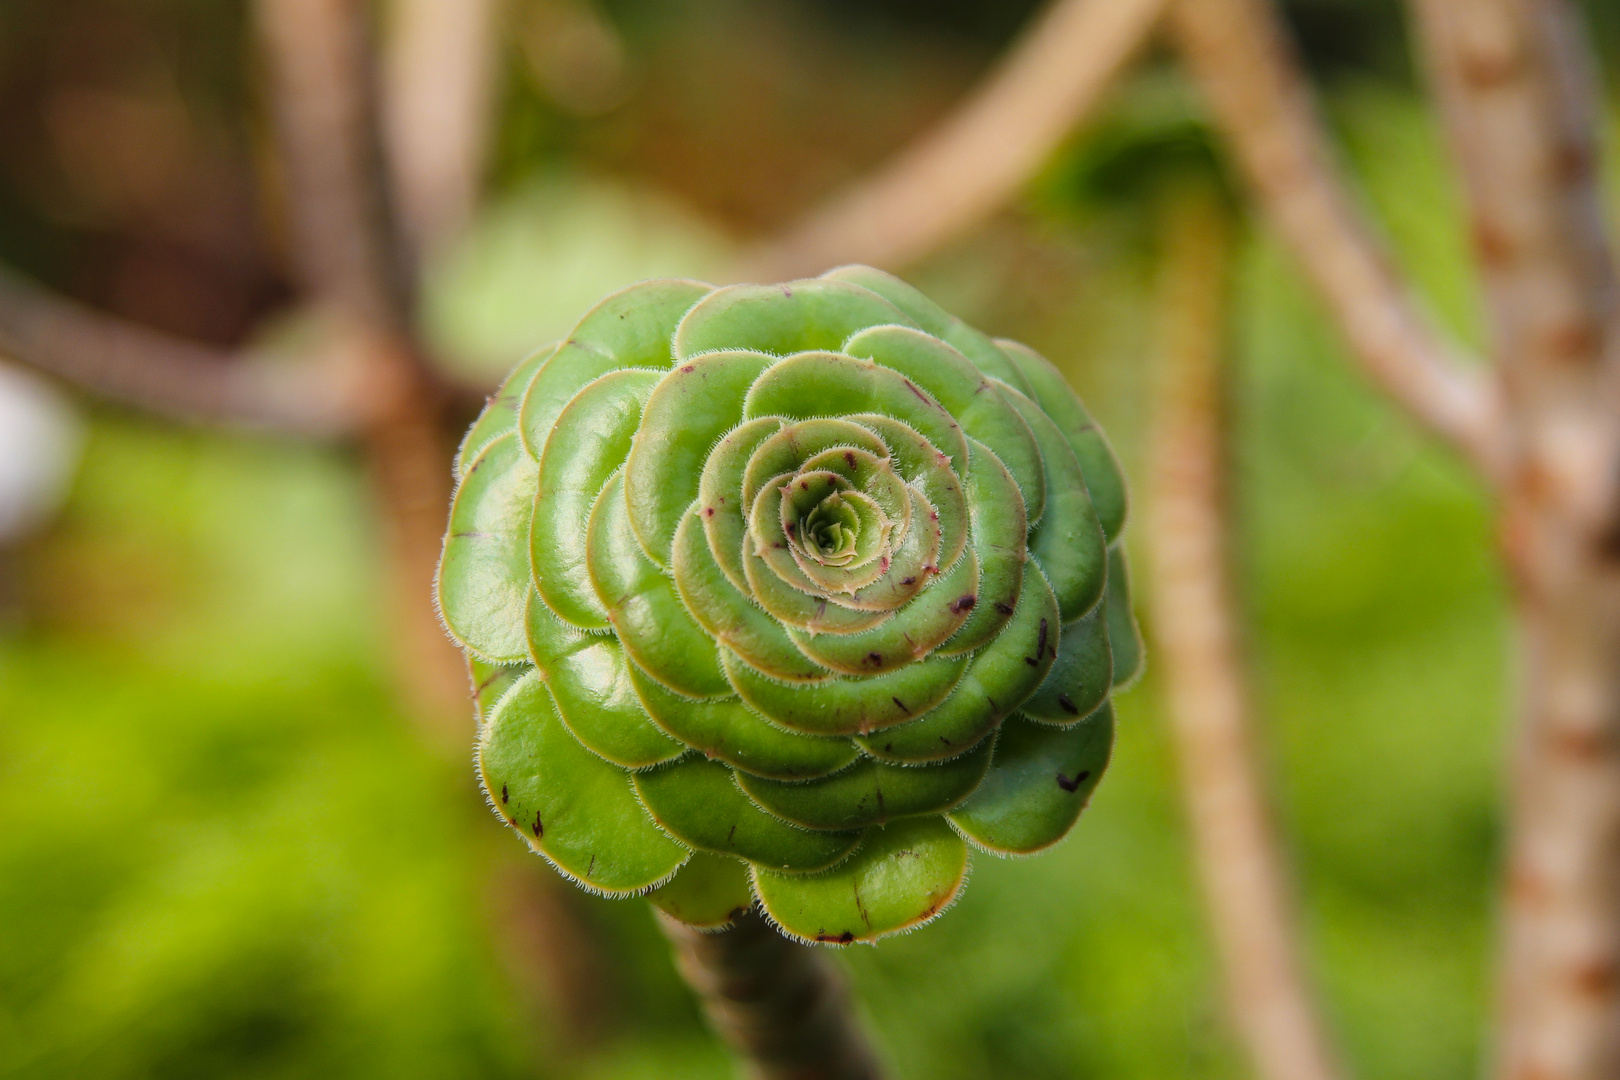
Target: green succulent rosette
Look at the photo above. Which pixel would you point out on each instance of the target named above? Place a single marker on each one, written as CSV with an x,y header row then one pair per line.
x,y
790,593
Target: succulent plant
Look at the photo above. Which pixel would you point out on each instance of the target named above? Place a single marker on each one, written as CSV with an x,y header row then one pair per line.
x,y
788,593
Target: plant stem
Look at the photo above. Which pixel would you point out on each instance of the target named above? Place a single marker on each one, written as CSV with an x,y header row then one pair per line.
x,y
1515,81
1243,870
973,162
321,63
779,1005
1240,54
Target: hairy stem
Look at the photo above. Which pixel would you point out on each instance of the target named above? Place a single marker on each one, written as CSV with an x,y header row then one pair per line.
x,y
779,1005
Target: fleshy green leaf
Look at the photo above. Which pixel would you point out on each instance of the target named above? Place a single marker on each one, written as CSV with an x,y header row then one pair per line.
x,y
727,729
649,618
594,696
998,527
788,448
1067,541
697,801
927,468
911,634
719,504
1001,677
871,792
589,443
732,618
1039,780
936,320
500,415
491,681
1104,478
708,893
688,412
979,405
844,706
483,583
1081,676
630,329
570,805
811,384
782,319
1124,637
798,610
903,876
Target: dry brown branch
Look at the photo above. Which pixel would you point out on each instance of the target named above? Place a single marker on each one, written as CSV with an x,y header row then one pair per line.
x,y
1514,81
779,1005
979,156
440,61
324,102
1238,52
167,376
1243,872
323,84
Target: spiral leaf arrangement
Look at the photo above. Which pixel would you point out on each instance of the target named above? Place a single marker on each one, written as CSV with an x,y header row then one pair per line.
x,y
788,593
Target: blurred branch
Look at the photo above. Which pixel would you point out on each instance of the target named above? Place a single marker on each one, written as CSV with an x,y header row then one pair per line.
x,y
779,1005
1238,855
324,98
1514,79
978,157
438,73
1238,51
169,376
323,79
1515,86
349,250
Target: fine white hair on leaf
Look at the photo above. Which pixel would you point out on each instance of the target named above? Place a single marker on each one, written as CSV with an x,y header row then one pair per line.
x,y
598,890
950,901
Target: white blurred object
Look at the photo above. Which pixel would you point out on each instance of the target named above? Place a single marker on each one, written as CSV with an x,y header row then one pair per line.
x,y
40,440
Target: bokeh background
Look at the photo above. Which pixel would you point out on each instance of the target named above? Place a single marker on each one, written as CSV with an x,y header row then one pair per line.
x,y
224,850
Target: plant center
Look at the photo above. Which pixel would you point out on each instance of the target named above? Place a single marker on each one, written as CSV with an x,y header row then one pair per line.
x,y
830,530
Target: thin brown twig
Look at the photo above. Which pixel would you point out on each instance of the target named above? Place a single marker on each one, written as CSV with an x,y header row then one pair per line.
x,y
1242,868
1240,55
1515,84
324,93
978,157
172,377
357,261
439,65
324,97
